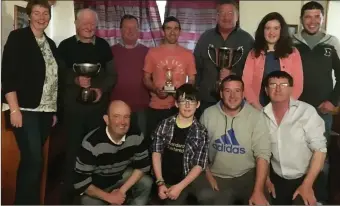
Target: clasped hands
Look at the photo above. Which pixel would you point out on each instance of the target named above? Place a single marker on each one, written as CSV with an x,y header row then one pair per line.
x,y
172,192
85,82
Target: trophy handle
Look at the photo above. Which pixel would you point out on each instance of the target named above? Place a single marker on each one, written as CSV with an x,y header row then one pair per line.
x,y
99,67
211,47
239,48
74,68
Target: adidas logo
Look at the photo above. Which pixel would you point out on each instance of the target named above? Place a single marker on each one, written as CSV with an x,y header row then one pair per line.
x,y
228,143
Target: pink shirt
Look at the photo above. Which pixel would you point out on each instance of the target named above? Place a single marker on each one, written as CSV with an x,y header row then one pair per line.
x,y
182,63
253,74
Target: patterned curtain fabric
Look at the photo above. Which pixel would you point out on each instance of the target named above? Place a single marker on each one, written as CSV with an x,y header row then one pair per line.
x,y
111,11
195,17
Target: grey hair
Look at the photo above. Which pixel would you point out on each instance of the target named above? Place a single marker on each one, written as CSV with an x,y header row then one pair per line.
x,y
81,11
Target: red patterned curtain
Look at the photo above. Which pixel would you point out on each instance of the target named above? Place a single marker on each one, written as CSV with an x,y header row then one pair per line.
x,y
195,16
111,11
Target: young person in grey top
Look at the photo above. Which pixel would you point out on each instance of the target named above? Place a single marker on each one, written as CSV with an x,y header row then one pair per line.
x,y
227,33
239,143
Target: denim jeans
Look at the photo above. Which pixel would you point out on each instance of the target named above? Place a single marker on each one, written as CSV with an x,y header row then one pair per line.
x,y
30,139
231,190
140,192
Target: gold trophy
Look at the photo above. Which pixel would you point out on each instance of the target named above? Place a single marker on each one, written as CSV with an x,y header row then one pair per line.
x,y
169,87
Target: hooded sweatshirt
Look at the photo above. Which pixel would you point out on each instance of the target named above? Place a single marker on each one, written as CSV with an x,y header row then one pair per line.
x,y
235,142
318,63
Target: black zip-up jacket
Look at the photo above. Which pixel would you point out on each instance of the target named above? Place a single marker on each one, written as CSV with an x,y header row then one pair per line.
x,y
318,65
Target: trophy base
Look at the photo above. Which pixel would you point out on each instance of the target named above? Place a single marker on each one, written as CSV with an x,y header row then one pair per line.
x,y
86,96
169,89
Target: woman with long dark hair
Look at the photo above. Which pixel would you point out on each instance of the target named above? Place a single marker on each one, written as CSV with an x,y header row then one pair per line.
x,y
273,50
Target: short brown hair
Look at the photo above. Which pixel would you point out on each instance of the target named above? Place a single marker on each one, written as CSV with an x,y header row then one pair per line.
x,y
42,3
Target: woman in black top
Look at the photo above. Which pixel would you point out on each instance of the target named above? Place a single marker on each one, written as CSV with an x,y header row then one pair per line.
x,y
30,87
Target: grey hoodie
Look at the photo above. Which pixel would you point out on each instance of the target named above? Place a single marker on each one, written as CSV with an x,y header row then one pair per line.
x,y
235,142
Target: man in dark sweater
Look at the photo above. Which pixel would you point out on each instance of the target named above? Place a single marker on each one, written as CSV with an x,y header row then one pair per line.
x,y
129,62
320,54
79,118
102,173
226,34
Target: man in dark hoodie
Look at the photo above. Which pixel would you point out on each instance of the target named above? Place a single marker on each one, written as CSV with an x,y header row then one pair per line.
x,y
320,54
227,33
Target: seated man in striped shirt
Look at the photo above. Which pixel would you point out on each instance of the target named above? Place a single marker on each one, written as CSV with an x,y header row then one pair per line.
x,y
103,174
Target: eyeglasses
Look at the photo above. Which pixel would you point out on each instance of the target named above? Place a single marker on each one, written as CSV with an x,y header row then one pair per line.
x,y
184,102
282,85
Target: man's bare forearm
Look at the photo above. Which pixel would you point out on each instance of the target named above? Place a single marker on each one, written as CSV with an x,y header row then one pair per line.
x,y
316,166
157,164
192,175
135,177
148,83
261,174
96,192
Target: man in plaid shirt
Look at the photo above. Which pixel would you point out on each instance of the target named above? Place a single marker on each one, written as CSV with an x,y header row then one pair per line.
x,y
180,149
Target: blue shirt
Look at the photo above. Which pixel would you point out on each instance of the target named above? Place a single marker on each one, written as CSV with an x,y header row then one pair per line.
x,y
271,64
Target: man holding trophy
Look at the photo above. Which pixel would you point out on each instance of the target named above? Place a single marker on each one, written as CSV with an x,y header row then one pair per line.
x,y
89,77
231,45
166,68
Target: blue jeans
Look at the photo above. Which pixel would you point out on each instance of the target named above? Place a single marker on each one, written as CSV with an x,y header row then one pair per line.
x,y
140,192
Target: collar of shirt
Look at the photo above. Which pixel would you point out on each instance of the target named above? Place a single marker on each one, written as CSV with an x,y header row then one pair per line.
x,y
121,42
268,110
117,143
93,39
234,30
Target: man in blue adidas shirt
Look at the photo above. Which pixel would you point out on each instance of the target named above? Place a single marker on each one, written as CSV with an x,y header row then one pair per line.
x,y
239,143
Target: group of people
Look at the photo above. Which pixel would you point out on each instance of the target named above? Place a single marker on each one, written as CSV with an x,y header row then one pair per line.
x,y
257,137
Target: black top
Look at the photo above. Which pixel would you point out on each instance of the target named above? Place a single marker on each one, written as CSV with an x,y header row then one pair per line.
x,y
73,51
23,67
172,163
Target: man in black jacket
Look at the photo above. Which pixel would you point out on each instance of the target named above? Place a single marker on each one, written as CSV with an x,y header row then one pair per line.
x,y
227,33
80,118
320,54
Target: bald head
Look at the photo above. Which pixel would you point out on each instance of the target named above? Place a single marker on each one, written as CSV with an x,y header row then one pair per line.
x,y
117,105
118,118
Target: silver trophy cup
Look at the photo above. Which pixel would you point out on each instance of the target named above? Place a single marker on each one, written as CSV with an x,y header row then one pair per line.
x,y
225,57
86,95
